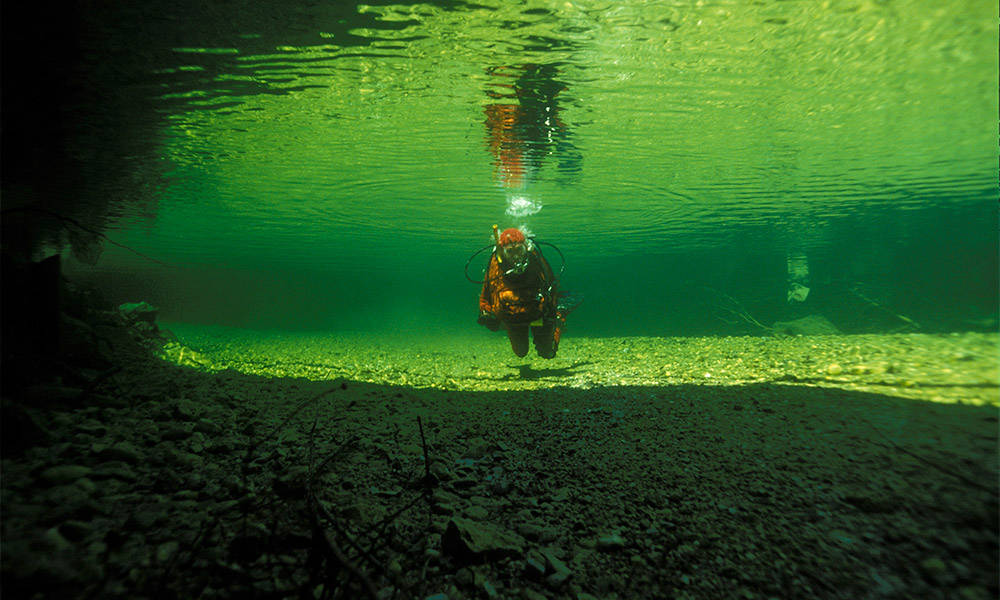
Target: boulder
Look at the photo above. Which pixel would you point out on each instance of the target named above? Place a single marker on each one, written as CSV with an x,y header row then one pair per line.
x,y
810,325
134,312
471,541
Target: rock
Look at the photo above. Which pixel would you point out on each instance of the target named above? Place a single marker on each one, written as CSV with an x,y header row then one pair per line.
x,y
558,579
138,311
21,429
464,483
934,569
174,432
88,486
183,412
610,542
834,369
478,448
534,565
166,551
47,395
122,451
207,427
145,518
973,592
477,512
69,502
114,470
64,474
93,427
292,483
470,541
553,564
107,401
75,530
489,589
871,503
536,532
440,471
811,325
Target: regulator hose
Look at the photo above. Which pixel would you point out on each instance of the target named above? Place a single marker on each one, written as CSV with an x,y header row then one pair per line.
x,y
562,267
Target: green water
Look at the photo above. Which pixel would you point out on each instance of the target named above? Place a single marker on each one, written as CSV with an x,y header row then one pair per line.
x,y
332,165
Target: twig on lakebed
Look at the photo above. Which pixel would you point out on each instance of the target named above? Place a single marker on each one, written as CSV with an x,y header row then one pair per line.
x,y
930,463
332,550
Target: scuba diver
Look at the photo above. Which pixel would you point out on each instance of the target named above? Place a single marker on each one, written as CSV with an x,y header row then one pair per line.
x,y
520,293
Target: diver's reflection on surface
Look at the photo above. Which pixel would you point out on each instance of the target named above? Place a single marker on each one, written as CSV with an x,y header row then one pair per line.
x,y
525,127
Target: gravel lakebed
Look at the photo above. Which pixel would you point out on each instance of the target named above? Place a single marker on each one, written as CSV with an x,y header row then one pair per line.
x,y
235,464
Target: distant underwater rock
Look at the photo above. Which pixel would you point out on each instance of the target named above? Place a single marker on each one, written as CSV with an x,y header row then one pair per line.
x,y
810,325
138,311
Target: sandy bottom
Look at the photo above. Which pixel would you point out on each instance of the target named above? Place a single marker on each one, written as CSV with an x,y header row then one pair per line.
x,y
272,464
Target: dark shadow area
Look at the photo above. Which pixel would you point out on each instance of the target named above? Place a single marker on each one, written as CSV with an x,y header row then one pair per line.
x,y
142,479
87,89
528,372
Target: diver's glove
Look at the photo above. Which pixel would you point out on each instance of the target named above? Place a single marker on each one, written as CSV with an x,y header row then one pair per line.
x,y
489,321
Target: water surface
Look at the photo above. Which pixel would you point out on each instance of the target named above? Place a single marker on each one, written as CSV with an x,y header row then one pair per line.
x,y
328,165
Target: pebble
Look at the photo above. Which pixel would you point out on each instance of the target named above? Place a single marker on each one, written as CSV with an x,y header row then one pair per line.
x,y
64,474
934,568
122,451
610,542
534,565
174,432
481,514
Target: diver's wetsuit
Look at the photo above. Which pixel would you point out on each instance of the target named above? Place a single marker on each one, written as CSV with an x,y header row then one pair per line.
x,y
523,301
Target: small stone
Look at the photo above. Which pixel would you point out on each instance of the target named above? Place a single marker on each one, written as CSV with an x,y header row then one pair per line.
x,y
440,471
75,530
534,565
553,563
166,551
558,579
55,541
207,427
70,502
478,448
64,474
145,518
93,427
610,542
934,568
477,512
138,312
973,592
122,451
395,568
489,589
834,369
107,400
173,433
87,486
470,540
114,470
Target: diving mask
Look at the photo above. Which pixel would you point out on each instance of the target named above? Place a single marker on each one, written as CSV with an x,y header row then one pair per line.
x,y
515,257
